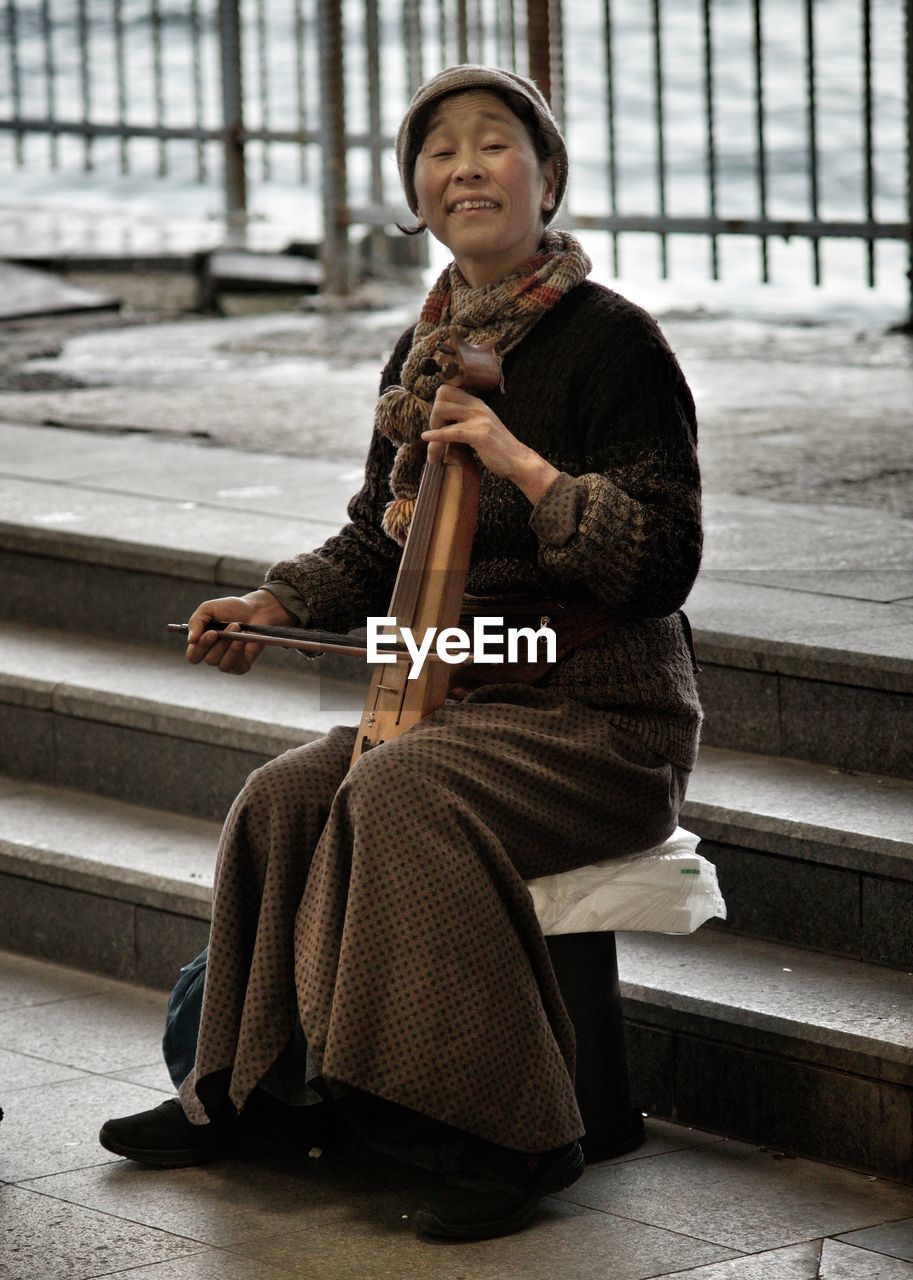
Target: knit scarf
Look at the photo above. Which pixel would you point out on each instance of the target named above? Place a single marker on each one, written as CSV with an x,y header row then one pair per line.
x,y
504,311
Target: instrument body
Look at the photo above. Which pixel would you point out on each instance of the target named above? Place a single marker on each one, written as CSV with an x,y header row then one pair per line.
x,y
435,562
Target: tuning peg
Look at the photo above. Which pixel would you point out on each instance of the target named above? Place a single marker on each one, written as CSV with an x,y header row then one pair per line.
x,y
429,368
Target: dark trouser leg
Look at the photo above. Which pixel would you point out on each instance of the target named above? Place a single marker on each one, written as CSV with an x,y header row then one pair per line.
x,y
182,1022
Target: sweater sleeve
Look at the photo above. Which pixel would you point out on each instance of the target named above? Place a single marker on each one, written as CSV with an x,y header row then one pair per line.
x,y
351,576
628,530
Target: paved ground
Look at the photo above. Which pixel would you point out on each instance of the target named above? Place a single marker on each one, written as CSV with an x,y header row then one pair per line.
x,y
687,1204
813,413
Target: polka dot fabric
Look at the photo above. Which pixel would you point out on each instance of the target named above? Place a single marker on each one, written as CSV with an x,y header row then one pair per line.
x,y
386,907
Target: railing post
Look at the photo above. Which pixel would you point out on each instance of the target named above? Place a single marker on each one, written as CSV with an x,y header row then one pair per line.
x,y
908,22
538,45
544,43
335,253
556,59
234,177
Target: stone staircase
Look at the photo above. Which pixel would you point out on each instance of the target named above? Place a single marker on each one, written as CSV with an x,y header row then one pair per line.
x,y
790,1025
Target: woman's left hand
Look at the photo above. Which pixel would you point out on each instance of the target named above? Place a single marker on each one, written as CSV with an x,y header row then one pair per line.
x,y
460,418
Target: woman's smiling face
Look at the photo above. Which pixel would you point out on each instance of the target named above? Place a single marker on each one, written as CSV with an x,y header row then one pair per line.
x,y
481,187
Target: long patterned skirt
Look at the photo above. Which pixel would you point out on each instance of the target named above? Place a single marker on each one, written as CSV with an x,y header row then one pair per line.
x,y
385,907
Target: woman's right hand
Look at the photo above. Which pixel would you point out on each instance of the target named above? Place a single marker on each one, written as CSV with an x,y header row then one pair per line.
x,y
257,608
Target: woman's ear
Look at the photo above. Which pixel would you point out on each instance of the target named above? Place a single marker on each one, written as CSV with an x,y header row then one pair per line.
x,y
551,181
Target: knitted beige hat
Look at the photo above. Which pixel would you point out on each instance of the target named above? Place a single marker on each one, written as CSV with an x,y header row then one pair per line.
x,y
470,76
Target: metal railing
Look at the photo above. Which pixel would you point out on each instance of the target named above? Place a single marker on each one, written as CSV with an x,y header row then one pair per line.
x,y
647,89
810,223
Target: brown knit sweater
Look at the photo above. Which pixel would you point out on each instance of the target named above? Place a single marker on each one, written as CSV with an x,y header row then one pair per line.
x,y
595,389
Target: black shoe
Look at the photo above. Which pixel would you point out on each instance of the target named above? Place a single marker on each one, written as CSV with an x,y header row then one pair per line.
x,y
165,1137
499,1193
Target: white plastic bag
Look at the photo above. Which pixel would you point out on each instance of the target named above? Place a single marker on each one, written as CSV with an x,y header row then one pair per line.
x,y
669,889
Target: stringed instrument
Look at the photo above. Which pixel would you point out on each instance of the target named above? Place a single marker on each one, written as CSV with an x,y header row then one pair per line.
x,y
432,573
431,579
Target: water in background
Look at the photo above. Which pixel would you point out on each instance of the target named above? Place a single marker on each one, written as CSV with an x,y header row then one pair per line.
x,y
143,210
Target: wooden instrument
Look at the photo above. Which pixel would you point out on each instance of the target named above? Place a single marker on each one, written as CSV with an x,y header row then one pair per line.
x,y
432,574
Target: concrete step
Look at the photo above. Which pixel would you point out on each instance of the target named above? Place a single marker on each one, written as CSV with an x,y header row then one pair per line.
x,y
804,1052
835,687
796,671
807,1054
26,292
136,723
115,534
116,888
807,854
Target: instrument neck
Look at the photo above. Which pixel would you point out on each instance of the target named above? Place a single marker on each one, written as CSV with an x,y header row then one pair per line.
x,y
404,604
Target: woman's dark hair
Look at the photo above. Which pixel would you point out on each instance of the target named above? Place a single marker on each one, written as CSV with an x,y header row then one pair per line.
x,y
515,102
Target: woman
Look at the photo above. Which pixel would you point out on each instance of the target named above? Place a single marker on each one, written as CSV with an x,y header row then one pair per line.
x,y
380,914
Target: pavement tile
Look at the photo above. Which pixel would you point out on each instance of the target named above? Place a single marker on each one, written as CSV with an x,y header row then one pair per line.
x,y
265,482
211,1264
47,453
155,1076
825,633
221,409
845,1262
663,1136
225,1202
270,483
785,542
795,1262
566,1242
740,1196
55,1128
20,1071
885,586
42,1238
892,1238
173,538
104,1032
25,982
